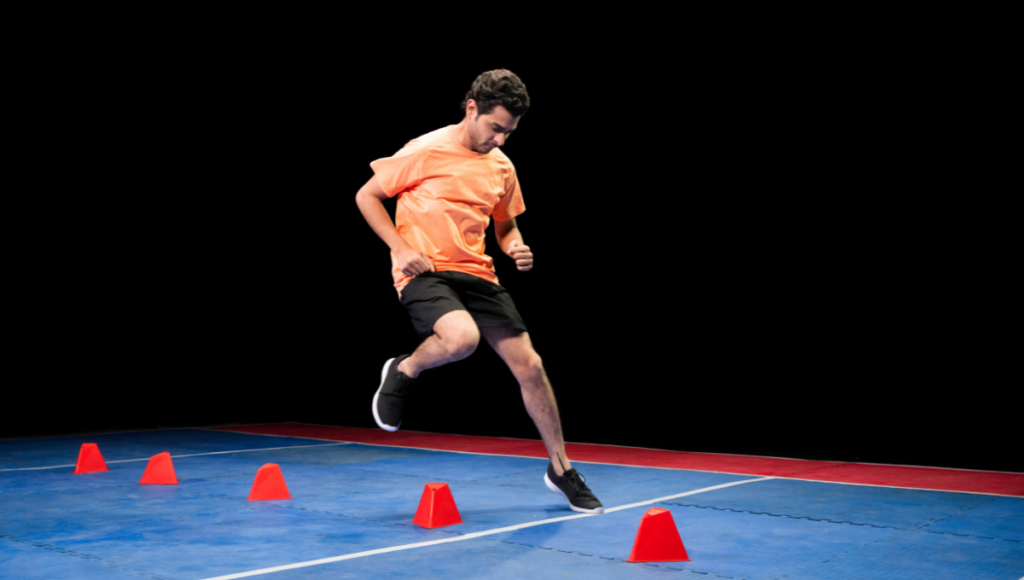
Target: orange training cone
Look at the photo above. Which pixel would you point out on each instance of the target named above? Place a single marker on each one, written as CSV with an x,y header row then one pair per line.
x,y
658,540
269,484
437,507
160,471
90,459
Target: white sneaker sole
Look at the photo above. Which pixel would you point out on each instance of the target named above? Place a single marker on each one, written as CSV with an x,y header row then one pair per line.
x,y
551,485
376,417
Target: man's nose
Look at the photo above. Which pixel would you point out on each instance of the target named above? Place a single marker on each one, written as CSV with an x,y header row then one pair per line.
x,y
500,139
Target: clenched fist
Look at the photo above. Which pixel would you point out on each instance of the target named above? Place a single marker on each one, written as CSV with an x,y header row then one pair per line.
x,y
522,255
412,262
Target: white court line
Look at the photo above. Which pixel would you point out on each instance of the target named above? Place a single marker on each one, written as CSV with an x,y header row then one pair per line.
x,y
895,487
292,436
655,467
472,535
668,497
179,456
612,445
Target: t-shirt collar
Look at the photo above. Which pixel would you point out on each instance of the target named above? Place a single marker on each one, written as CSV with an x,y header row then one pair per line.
x,y
460,146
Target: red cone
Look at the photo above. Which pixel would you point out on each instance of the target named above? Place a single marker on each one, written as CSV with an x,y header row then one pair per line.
x,y
437,507
269,484
159,471
90,459
658,540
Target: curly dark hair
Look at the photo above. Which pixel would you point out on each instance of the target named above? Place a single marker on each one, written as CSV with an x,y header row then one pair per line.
x,y
498,87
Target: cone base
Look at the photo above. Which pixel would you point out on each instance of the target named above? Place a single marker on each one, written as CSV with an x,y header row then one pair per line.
x,y
638,560
434,525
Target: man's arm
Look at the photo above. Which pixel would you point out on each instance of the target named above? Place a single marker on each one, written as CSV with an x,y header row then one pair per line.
x,y
511,242
370,200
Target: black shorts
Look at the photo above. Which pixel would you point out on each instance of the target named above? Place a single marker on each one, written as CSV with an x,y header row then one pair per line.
x,y
430,296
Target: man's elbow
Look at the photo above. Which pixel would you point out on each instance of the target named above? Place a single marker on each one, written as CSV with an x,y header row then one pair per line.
x,y
370,191
363,195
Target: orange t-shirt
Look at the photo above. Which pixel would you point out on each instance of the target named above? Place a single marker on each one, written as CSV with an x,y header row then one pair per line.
x,y
446,197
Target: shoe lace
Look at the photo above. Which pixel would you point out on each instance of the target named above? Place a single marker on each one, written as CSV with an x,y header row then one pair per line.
x,y
578,482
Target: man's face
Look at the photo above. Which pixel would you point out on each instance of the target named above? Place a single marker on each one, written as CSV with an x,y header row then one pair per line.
x,y
489,131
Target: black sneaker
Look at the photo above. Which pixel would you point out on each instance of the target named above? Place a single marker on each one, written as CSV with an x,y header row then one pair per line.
x,y
573,487
387,403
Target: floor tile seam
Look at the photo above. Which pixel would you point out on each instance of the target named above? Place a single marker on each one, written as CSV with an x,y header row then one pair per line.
x,y
790,516
793,517
866,545
82,555
943,518
183,480
408,524
612,559
352,516
256,508
125,521
840,553
441,480
348,467
204,514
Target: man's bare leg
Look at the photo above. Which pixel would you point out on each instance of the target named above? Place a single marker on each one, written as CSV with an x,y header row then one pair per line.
x,y
455,338
515,348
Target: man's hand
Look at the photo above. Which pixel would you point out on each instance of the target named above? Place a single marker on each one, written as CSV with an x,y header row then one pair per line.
x,y
522,255
412,262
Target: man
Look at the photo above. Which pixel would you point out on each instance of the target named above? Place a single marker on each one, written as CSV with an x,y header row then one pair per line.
x,y
449,183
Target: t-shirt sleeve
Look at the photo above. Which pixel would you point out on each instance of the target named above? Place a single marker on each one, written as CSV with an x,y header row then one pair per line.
x,y
401,171
511,204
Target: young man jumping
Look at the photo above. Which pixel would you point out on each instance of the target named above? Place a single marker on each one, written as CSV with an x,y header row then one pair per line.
x,y
449,183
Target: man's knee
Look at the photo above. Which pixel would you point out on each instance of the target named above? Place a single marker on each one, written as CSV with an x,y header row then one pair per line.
x,y
530,369
463,342
459,336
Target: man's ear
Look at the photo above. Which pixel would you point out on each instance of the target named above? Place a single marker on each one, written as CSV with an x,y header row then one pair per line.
x,y
470,108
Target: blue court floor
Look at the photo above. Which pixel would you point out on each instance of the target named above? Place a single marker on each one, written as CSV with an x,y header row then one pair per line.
x,y
358,500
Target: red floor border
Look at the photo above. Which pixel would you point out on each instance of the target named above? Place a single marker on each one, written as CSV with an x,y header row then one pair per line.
x,y
933,478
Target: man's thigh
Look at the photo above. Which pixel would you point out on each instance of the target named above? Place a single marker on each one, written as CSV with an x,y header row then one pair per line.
x,y
490,304
430,296
428,299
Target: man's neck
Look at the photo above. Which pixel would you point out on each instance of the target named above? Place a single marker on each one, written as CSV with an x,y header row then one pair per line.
x,y
461,134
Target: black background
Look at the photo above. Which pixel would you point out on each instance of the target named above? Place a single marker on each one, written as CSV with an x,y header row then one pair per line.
x,y
728,258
